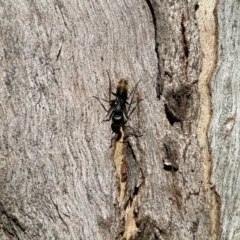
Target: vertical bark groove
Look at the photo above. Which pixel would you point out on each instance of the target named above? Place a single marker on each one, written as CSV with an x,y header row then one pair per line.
x,y
159,80
207,23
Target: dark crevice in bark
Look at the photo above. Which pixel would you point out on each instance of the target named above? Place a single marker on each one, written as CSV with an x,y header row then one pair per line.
x,y
149,229
177,104
124,172
185,44
10,224
170,116
59,52
216,218
131,150
171,155
196,6
159,84
194,226
134,171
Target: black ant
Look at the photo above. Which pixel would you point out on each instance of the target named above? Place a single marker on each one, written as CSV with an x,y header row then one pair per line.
x,y
118,111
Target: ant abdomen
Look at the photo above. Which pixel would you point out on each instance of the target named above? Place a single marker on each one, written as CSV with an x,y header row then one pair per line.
x,y
122,89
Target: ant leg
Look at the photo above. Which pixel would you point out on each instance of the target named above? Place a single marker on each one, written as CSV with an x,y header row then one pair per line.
x,y
109,86
126,115
129,103
101,103
110,111
103,99
117,134
133,132
112,140
134,108
132,93
134,89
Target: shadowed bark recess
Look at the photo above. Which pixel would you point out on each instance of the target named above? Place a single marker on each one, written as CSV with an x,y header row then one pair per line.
x,y
59,178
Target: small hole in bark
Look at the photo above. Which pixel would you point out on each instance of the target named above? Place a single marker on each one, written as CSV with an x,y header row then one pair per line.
x,y
196,7
171,118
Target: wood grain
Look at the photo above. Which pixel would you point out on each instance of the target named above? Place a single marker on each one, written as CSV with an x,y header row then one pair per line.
x,y
59,178
224,132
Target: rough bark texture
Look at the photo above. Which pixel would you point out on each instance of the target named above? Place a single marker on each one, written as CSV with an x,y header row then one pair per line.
x,y
224,132
59,178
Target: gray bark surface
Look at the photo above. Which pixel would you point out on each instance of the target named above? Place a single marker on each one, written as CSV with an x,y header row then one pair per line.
x,y
59,178
224,131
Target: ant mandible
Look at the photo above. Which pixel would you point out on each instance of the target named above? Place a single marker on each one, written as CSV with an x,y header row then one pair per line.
x,y
118,112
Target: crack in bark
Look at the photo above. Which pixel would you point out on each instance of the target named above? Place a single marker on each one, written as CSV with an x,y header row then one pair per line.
x,y
171,155
60,6
61,218
149,229
59,52
159,84
10,222
215,213
185,44
130,206
207,16
177,104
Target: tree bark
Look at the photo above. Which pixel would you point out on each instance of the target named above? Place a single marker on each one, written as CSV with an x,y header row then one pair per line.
x,y
224,130
59,178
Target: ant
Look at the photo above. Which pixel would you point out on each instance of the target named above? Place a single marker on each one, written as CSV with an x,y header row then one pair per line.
x,y
118,112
